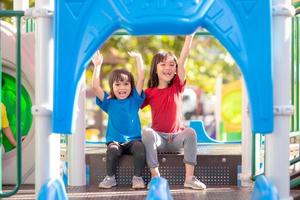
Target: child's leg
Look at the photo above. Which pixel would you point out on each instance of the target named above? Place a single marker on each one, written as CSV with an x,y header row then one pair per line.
x,y
113,153
137,149
152,141
188,140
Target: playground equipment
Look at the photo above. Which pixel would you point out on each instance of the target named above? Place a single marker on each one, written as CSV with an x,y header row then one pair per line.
x,y
264,189
219,17
203,137
228,110
232,22
159,189
8,39
53,189
232,106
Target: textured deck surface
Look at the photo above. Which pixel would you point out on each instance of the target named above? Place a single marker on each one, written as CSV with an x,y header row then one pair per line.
x,y
126,193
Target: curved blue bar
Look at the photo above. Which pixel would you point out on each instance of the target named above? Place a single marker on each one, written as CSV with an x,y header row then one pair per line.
x,y
203,137
242,26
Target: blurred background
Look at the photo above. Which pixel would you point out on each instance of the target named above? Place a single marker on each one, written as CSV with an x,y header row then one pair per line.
x,y
207,63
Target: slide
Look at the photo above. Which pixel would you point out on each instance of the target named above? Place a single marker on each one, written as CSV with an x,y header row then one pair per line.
x,y
8,48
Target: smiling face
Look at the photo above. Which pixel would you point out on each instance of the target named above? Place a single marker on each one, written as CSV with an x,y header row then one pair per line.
x,y
163,69
121,84
166,70
122,89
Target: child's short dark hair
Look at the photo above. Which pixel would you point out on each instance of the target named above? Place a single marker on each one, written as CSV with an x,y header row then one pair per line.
x,y
120,75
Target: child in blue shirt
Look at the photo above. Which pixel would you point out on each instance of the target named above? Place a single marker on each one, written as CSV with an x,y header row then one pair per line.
x,y
122,104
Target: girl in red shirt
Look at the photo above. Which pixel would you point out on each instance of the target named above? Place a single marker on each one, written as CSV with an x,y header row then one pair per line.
x,y
165,87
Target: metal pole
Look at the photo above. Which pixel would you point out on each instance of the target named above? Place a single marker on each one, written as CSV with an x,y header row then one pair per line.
x,y
76,141
246,139
277,144
47,147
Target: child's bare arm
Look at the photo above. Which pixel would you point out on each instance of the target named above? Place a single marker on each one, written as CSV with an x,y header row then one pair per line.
x,y
97,60
140,70
8,133
183,56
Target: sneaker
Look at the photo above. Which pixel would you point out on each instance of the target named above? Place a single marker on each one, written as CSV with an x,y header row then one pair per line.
x,y
194,183
138,182
108,182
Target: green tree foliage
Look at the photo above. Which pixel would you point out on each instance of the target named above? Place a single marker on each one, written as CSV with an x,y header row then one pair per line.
x,y
8,4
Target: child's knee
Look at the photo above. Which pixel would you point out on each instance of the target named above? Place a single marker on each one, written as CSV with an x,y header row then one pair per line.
x,y
113,151
148,136
138,146
191,133
140,155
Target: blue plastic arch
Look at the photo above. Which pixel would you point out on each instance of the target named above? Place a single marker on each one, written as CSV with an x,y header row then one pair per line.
x,y
242,26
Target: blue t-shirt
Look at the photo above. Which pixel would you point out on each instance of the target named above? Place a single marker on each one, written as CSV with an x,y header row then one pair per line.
x,y
123,120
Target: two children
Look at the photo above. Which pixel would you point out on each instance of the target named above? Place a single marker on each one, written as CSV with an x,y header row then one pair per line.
x,y
166,84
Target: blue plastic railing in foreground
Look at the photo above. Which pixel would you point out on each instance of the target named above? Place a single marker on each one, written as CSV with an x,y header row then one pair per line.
x,y
159,189
264,190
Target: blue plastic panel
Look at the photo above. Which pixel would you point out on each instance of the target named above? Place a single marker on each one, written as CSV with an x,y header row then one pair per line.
x,y
242,26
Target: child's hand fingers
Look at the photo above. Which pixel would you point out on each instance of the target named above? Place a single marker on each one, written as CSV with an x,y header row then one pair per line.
x,y
134,54
130,53
97,58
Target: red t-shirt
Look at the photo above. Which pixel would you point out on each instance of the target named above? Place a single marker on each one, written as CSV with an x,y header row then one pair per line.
x,y
166,106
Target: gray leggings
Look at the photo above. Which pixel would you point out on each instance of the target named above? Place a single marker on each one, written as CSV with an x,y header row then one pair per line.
x,y
156,141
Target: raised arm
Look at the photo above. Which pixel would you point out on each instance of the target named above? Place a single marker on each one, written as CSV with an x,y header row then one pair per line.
x,y
183,56
140,70
97,61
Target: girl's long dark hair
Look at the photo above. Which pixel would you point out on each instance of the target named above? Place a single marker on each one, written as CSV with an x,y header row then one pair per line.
x,y
120,75
157,58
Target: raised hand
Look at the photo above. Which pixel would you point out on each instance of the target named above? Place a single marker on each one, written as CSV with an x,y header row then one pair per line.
x,y
97,58
183,56
140,70
135,54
